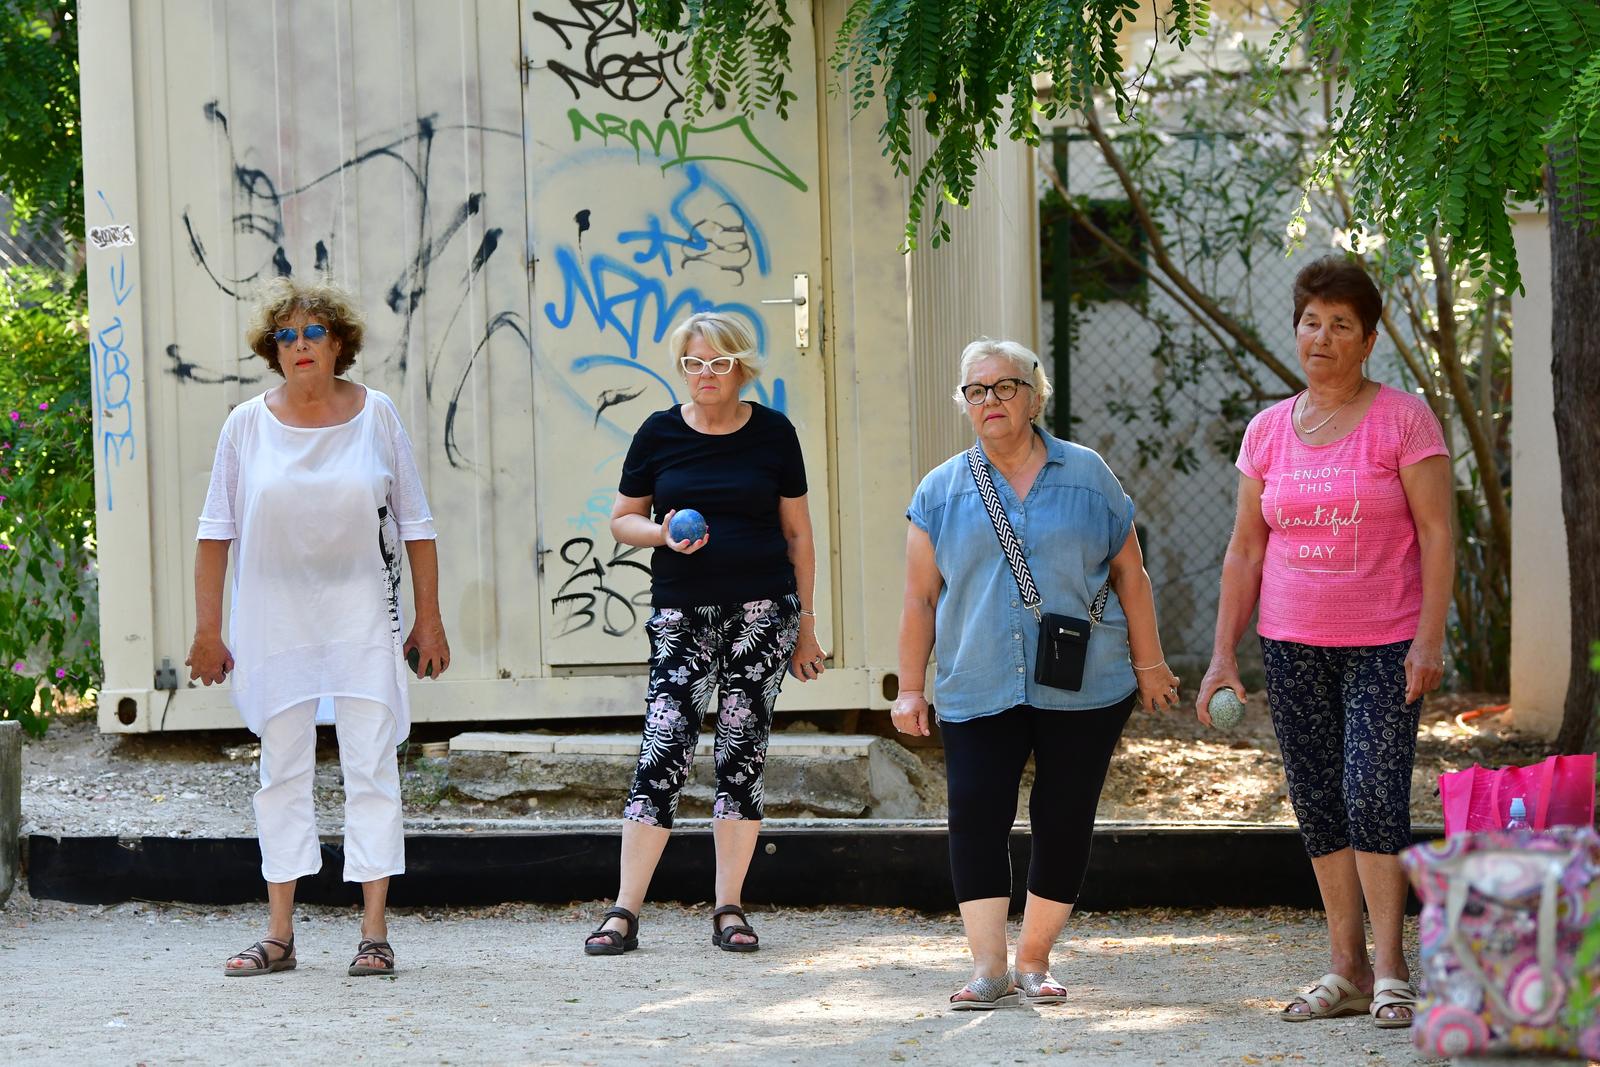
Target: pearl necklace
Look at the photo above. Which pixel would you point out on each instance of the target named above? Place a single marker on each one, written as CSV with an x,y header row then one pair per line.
x,y
1306,396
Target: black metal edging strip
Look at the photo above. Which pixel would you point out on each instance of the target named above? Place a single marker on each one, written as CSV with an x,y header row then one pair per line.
x,y
895,866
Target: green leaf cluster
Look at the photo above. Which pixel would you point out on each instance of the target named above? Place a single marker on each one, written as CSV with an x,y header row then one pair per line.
x,y
41,142
49,639
738,50
1450,107
962,69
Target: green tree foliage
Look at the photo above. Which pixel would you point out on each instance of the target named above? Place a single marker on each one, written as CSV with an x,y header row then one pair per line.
x,y
1447,108
49,640
962,69
41,148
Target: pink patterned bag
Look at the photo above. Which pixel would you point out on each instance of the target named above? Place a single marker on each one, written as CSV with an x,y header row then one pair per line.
x,y
1557,792
1503,915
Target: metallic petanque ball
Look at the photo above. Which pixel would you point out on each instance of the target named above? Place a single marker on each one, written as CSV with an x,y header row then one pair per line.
x,y
687,525
1226,709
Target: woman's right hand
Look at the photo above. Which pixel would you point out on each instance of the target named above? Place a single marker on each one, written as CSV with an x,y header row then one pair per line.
x,y
685,547
1222,674
209,659
910,714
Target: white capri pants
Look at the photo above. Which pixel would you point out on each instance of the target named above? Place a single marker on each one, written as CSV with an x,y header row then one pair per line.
x,y
286,817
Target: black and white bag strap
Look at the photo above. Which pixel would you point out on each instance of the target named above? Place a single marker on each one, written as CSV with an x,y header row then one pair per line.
x,y
1013,548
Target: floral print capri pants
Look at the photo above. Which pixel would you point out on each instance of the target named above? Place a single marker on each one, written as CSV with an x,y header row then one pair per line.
x,y
1349,741
743,647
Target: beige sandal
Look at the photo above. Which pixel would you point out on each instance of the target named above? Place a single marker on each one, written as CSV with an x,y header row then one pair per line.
x,y
1393,993
1333,997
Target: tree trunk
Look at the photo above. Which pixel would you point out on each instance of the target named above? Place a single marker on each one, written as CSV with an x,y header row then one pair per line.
x,y
1575,366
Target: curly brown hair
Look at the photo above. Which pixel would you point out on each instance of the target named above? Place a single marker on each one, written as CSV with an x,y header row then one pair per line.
x,y
330,304
1338,280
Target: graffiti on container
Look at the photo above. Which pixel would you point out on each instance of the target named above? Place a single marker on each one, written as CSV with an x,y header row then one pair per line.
x,y
676,144
588,595
113,385
596,513
185,371
259,214
639,294
111,236
616,58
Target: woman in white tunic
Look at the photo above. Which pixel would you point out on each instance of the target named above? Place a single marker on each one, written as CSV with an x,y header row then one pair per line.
x,y
316,486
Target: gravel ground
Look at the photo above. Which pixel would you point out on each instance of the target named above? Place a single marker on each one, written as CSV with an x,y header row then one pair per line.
x,y
141,983
1168,768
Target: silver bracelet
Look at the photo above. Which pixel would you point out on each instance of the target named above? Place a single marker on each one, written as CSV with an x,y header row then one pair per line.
x,y
1153,666
803,611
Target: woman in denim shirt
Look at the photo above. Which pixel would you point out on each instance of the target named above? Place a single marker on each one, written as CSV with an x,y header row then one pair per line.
x,y
1075,525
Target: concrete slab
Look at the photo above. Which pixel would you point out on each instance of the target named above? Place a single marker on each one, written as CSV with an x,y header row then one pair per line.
x,y
789,744
10,806
835,775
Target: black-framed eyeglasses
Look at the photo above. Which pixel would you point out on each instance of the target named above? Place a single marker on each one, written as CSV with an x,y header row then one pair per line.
x,y
721,365
1003,390
289,335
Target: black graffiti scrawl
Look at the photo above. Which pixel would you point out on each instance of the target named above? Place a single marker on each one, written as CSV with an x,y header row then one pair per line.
x,y
258,223
389,550
609,53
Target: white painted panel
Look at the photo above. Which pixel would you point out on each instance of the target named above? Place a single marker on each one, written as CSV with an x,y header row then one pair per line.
x,y
639,217
981,283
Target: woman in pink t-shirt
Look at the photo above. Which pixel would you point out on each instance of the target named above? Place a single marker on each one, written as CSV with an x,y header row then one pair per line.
x,y
1343,537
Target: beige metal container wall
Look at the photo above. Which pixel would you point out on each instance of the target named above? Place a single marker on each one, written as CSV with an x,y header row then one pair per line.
x,y
517,194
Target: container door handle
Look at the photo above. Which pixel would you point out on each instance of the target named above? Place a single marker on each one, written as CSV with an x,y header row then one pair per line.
x,y
802,316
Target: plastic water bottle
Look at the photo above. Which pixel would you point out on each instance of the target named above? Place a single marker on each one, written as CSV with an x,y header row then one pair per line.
x,y
1519,815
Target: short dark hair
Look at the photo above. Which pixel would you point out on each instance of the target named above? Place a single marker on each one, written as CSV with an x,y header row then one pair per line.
x,y
1339,280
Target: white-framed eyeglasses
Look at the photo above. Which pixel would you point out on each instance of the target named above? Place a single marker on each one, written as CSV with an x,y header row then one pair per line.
x,y
721,365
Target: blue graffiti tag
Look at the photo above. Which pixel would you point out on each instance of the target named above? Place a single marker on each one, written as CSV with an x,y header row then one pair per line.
x,y
634,300
113,384
114,392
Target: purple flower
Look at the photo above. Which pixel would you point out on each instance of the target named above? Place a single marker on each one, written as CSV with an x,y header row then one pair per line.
x,y
19,667
44,405
5,548
61,672
15,415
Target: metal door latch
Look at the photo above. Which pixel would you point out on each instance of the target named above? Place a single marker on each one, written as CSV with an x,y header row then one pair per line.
x,y
166,674
802,310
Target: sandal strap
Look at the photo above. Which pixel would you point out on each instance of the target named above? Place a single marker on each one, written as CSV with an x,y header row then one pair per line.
x,y
380,949
1032,982
624,914
728,909
257,953
616,937
1393,993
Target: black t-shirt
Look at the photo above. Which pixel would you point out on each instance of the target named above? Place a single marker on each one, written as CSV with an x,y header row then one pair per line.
x,y
734,480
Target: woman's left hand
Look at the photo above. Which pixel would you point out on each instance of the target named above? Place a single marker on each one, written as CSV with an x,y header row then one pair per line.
x,y
806,663
1424,667
432,650
1158,688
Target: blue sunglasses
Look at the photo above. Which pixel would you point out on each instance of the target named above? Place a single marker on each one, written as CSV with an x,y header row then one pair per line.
x,y
289,335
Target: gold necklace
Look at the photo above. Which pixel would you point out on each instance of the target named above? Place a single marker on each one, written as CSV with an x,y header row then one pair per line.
x,y
1305,398
1033,439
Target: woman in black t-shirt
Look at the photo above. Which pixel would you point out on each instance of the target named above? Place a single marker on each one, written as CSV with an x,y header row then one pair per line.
x,y
733,607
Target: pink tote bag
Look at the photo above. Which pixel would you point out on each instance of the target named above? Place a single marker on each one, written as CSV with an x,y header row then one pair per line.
x,y
1556,792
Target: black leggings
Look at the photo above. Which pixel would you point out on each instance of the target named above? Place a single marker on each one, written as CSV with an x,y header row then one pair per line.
x,y
984,759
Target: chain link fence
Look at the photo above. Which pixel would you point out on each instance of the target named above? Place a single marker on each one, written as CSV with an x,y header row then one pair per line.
x,y
31,246
1162,397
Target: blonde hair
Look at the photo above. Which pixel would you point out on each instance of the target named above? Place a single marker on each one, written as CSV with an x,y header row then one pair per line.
x,y
1022,360
330,304
724,335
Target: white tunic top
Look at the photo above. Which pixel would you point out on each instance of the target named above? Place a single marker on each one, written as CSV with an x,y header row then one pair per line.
x,y
316,516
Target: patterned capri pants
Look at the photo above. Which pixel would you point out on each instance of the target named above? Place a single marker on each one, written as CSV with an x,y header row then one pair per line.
x,y
743,647
1349,741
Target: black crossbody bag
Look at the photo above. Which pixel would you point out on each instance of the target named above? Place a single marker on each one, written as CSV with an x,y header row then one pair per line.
x,y
1063,640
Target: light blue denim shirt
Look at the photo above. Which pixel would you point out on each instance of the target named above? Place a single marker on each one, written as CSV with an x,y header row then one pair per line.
x,y
1075,519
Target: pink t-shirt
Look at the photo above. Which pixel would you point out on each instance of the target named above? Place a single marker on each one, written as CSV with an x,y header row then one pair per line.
x,y
1343,566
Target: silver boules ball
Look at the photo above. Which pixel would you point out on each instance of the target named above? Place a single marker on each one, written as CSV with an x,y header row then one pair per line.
x,y
1226,709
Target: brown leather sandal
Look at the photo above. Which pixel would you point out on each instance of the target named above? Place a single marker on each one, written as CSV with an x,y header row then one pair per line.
x,y
260,962
380,950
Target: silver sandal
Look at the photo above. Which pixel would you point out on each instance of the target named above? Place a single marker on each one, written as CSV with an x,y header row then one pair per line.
x,y
996,992
1033,983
